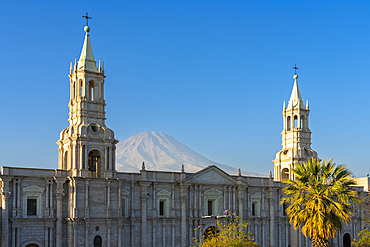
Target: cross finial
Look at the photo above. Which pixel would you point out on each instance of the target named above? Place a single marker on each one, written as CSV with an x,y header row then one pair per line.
x,y
295,68
87,18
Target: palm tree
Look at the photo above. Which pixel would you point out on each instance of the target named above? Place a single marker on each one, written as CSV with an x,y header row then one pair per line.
x,y
320,199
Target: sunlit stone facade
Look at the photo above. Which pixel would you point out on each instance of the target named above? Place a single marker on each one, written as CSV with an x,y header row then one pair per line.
x,y
86,202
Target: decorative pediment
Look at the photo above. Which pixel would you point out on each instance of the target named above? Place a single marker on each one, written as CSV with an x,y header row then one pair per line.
x,y
163,194
211,175
33,190
212,193
125,193
256,197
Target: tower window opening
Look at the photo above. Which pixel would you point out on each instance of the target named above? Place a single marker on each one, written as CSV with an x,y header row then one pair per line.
x,y
93,160
81,89
303,122
285,173
288,124
295,122
91,91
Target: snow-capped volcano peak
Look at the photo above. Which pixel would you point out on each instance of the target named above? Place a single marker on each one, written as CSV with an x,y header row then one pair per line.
x,y
161,152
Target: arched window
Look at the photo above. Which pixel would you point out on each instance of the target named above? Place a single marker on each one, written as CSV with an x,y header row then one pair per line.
x,y
81,89
303,122
94,160
98,241
295,122
288,124
32,245
346,240
91,91
285,173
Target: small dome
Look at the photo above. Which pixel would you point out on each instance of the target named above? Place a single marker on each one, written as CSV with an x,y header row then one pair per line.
x,y
87,29
295,77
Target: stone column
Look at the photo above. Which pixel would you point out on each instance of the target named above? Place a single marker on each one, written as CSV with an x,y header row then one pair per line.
x,y
143,197
286,233
225,206
87,225
87,211
172,232
183,217
234,202
164,233
110,163
263,231
272,213
195,202
113,158
59,226
108,210
70,213
46,213
154,211
105,159
119,206
229,197
19,207
5,211
143,220
200,201
119,231
74,157
109,225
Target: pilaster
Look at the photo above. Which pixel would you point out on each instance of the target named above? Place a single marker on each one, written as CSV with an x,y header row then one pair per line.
x,y
5,210
59,196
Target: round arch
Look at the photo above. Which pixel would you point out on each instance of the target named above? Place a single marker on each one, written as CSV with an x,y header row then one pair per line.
x,y
32,243
98,241
285,174
347,240
210,232
95,162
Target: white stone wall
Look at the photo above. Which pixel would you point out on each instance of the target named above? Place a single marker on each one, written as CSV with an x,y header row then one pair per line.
x,y
127,231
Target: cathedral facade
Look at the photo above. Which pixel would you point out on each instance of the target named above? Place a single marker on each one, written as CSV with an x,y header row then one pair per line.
x,y
86,202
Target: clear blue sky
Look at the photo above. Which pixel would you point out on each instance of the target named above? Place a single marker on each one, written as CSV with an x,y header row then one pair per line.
x,y
212,74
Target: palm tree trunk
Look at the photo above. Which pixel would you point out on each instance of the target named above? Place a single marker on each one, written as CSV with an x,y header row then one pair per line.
x,y
320,242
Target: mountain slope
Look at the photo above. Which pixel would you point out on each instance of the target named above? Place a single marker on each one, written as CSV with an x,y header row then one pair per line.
x,y
162,152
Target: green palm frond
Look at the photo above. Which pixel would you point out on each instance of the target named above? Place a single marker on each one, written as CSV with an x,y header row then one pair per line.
x,y
320,198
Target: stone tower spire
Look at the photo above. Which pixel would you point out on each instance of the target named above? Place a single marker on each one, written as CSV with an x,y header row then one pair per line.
x,y
296,136
87,146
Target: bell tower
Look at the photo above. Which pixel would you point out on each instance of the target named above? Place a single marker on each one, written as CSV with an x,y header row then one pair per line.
x,y
296,136
87,146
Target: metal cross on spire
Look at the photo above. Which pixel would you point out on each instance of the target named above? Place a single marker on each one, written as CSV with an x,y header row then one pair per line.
x,y
295,67
87,18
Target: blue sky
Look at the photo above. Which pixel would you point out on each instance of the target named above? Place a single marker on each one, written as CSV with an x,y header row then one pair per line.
x,y
212,74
